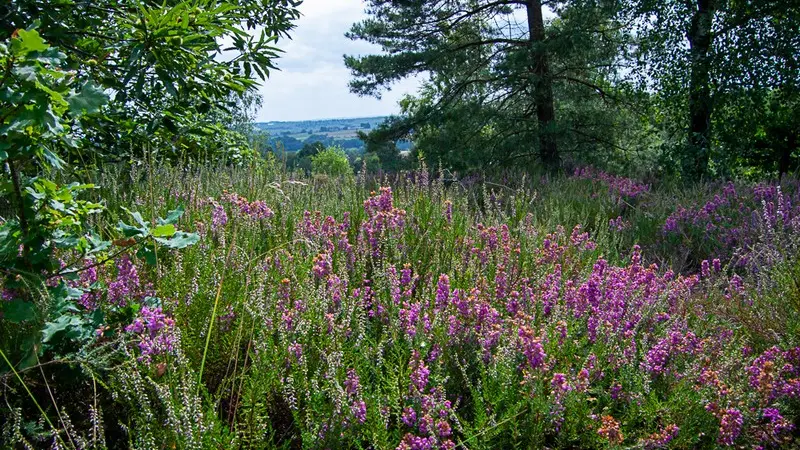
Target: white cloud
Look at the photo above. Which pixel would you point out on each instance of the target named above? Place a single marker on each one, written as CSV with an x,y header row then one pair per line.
x,y
312,82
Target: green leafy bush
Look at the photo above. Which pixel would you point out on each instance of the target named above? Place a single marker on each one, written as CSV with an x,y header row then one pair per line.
x,y
332,162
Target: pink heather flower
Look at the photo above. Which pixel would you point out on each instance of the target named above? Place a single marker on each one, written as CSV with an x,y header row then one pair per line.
x,y
351,384
618,187
154,330
322,265
419,372
409,417
218,216
730,425
448,211
126,283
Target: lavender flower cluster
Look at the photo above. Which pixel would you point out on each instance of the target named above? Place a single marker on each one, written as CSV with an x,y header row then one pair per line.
x,y
618,186
734,218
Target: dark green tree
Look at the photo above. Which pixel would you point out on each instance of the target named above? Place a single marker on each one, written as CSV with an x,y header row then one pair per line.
x,y
496,70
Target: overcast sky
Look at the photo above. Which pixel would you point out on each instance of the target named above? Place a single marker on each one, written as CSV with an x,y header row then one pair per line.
x,y
312,82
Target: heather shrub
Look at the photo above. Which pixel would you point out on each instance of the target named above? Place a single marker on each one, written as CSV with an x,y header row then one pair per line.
x,y
738,223
406,312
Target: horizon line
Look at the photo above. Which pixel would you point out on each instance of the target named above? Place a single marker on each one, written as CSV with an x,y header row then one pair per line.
x,y
324,119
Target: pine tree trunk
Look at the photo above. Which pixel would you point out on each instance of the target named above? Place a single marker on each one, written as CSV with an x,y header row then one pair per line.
x,y
543,87
700,101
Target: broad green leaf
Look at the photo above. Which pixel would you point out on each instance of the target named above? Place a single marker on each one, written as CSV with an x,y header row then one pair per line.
x,y
29,350
89,99
148,253
131,231
52,158
138,218
28,41
97,243
51,122
172,216
18,310
181,239
51,56
66,241
61,324
165,230
64,298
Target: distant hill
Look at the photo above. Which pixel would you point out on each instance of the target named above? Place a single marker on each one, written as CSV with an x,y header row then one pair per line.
x,y
321,126
342,132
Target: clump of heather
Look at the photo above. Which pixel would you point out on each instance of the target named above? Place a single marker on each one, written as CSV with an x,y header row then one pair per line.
x,y
737,223
126,286
410,315
618,187
154,332
256,209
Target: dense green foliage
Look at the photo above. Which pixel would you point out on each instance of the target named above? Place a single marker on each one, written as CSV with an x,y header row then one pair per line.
x,y
331,161
174,68
696,88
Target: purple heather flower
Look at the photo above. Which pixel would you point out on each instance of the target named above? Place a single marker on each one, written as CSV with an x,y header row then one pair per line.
x,y
419,372
351,384
126,284
322,266
154,330
704,269
532,348
662,438
409,417
359,410
442,291
226,320
730,425
218,216
777,425
296,350
411,442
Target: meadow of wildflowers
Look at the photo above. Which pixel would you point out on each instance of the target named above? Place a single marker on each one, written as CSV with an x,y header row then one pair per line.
x,y
398,312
